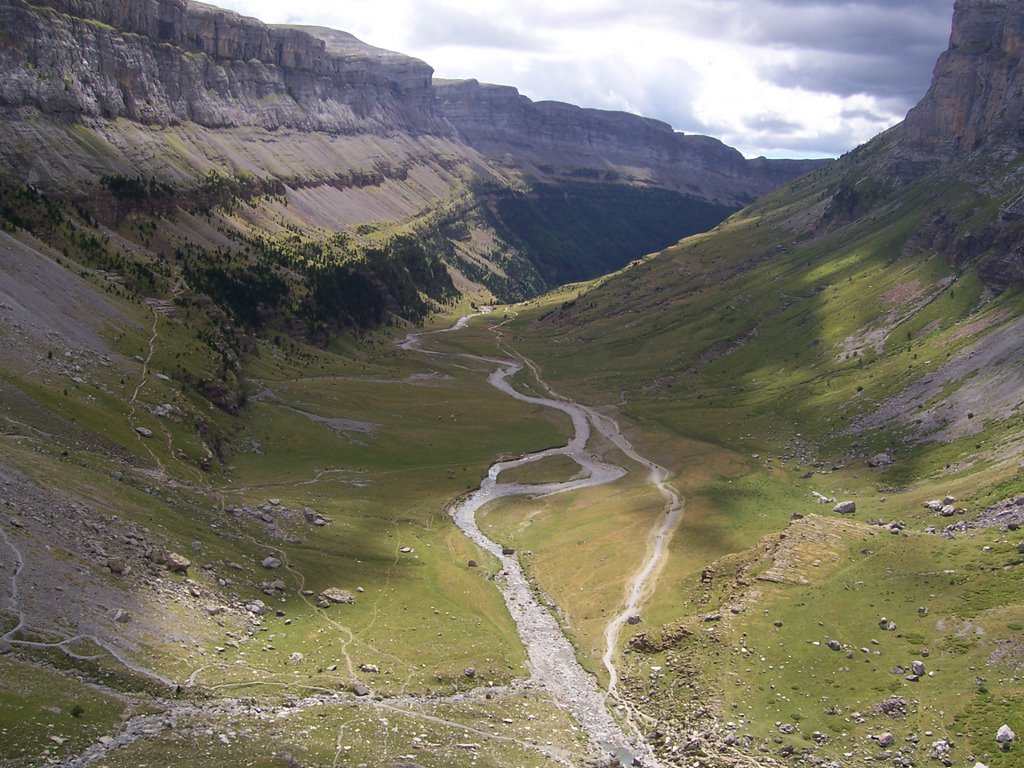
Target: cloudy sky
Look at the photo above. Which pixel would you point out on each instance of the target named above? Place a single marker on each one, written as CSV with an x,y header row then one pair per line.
x,y
781,78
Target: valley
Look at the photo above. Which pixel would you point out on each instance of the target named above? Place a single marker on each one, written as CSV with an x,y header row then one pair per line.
x,y
350,417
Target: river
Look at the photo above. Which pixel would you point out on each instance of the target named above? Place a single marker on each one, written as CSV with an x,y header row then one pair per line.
x,y
552,659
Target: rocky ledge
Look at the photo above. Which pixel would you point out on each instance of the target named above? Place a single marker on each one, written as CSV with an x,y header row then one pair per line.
x,y
165,62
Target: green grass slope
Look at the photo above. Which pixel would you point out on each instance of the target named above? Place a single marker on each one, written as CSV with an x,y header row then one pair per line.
x,y
836,338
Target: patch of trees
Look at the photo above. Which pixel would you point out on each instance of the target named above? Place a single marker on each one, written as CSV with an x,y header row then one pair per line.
x,y
397,279
850,200
320,288
135,188
576,231
252,292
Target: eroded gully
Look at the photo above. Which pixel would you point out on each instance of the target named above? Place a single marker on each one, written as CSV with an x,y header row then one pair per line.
x,y
552,660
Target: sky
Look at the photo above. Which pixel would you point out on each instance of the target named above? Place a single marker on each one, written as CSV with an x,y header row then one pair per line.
x,y
779,78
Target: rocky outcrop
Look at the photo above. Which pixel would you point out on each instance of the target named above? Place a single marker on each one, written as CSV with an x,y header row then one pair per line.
x,y
500,122
166,62
977,93
968,130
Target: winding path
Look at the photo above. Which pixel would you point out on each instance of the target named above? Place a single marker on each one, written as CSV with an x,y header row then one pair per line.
x,y
552,659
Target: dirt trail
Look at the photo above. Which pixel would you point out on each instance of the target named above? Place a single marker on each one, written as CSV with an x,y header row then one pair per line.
x,y
552,659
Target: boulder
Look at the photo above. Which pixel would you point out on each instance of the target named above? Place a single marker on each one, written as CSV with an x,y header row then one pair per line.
x,y
886,739
117,565
881,460
271,563
918,668
948,510
370,668
315,518
177,563
360,689
1005,735
941,750
143,432
338,596
845,507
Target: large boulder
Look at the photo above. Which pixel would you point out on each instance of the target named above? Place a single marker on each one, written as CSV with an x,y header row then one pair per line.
x,y
177,563
881,460
338,596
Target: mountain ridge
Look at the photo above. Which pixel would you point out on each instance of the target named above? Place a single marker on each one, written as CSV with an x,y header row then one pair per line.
x,y
194,63
153,113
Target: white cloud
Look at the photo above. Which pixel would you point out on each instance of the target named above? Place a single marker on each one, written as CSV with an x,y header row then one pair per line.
x,y
784,78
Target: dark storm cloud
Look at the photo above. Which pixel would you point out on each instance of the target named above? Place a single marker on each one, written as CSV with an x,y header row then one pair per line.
x,y
850,27
882,50
877,47
900,77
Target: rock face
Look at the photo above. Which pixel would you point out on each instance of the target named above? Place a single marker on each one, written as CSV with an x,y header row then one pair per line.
x,y
169,61
165,63
96,95
498,121
969,122
977,93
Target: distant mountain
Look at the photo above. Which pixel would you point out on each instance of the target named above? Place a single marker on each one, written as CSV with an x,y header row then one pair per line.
x,y
216,109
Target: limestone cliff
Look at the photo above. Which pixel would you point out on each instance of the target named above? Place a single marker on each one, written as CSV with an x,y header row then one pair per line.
x,y
967,132
322,134
172,62
976,98
501,123
165,62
